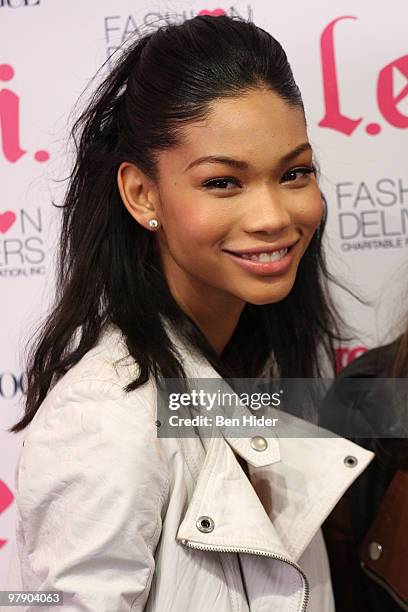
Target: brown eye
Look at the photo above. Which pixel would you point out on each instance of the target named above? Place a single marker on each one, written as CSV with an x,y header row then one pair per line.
x,y
219,183
302,171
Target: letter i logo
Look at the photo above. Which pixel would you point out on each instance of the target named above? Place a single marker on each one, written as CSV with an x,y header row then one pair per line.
x,y
10,121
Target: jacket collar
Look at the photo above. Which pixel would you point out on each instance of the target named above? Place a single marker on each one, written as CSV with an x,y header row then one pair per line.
x,y
197,367
302,477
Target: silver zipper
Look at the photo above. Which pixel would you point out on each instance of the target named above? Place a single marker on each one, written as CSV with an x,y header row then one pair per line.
x,y
255,552
385,586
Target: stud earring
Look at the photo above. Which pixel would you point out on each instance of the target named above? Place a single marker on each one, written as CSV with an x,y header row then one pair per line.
x,y
153,223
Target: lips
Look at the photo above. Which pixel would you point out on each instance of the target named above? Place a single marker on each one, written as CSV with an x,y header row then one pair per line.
x,y
275,266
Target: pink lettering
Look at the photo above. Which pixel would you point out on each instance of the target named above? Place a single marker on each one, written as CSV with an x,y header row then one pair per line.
x,y
215,12
7,219
387,101
333,118
345,355
6,498
9,118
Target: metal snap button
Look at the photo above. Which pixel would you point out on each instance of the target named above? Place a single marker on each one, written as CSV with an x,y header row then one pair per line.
x,y
350,461
259,443
205,524
375,551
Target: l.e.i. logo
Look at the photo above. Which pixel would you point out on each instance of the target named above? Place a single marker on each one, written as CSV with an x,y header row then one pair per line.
x,y
387,99
10,121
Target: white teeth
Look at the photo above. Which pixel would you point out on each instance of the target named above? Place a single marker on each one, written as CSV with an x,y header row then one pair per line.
x,y
267,257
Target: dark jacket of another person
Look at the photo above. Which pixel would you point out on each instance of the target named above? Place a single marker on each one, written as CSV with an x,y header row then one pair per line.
x,y
367,532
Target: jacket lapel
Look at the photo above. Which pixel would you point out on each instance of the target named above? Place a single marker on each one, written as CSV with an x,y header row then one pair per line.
x,y
301,480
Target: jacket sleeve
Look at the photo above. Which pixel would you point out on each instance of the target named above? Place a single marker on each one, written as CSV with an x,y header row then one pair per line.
x,y
91,490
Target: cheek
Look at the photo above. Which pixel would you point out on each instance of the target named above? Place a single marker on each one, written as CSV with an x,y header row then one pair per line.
x,y
194,223
310,213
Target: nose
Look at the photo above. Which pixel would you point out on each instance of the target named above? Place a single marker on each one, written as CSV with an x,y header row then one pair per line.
x,y
269,215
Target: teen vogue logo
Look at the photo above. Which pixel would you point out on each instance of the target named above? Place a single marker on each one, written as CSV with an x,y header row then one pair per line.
x,y
18,3
22,252
12,385
119,27
388,99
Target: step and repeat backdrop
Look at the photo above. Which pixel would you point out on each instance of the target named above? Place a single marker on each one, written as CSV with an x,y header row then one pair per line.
x,y
351,63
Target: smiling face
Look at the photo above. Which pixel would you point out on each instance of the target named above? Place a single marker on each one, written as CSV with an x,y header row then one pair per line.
x,y
264,202
268,198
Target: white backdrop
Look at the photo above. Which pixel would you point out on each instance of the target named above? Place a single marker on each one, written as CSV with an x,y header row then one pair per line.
x,y
351,63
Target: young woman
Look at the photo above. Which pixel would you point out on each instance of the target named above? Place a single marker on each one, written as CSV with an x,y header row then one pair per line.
x,y
190,247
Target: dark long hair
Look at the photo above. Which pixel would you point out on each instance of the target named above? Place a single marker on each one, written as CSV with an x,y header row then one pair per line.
x,y
108,264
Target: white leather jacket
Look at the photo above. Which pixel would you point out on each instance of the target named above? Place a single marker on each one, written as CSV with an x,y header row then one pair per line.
x,y
119,519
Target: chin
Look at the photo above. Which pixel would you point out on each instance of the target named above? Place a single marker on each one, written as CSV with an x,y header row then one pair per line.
x,y
267,301
275,291
269,297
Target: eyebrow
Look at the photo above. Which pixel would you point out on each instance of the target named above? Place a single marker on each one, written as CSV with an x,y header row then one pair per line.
x,y
243,165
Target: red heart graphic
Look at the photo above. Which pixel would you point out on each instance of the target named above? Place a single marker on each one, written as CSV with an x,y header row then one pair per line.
x,y
6,221
215,12
6,498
